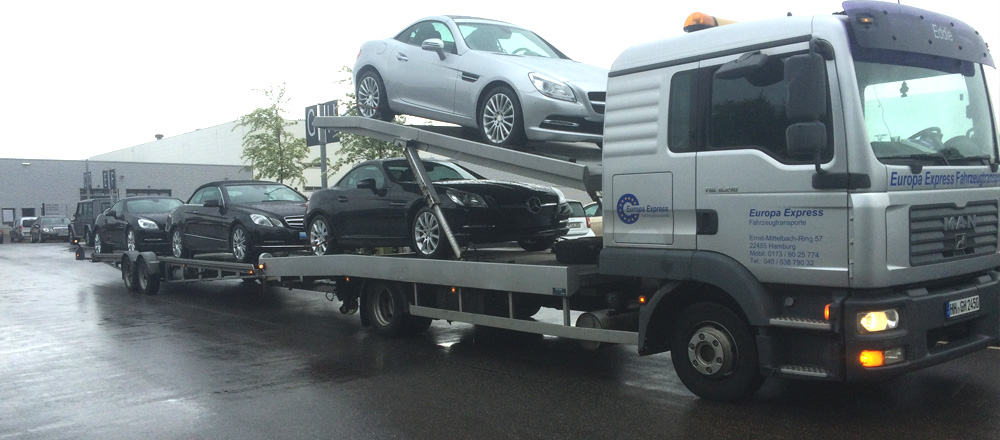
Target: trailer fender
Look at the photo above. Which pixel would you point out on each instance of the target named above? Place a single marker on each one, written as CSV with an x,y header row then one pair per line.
x,y
149,258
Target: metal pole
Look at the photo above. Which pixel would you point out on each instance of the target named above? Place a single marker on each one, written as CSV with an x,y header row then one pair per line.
x,y
429,193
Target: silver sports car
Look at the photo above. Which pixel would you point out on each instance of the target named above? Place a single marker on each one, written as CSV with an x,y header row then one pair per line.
x,y
504,81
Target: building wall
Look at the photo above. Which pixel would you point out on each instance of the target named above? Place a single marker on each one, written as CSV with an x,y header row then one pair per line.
x,y
57,184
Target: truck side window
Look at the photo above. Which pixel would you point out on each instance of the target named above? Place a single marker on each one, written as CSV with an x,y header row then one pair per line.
x,y
681,116
749,113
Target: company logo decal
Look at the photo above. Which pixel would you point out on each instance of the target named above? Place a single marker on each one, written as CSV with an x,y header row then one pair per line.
x,y
629,210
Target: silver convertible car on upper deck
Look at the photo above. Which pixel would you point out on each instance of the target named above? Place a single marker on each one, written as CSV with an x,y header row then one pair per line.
x,y
504,81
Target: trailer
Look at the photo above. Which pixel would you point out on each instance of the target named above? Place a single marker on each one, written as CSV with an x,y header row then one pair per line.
x,y
145,271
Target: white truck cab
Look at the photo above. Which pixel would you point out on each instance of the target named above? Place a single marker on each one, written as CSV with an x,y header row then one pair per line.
x,y
814,196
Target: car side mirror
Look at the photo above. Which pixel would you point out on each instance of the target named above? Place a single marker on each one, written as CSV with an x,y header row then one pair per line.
x,y
434,45
111,213
212,203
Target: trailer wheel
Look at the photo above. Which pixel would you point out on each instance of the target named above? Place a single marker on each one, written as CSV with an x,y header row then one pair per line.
x,y
714,353
384,306
129,275
148,283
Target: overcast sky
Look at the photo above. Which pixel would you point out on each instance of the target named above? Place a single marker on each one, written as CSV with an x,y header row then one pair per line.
x,y
81,78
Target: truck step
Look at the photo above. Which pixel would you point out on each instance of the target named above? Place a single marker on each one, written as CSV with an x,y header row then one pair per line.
x,y
803,371
801,323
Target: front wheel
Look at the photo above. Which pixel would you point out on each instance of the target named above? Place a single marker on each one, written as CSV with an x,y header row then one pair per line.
x,y
714,353
130,241
243,248
428,236
501,122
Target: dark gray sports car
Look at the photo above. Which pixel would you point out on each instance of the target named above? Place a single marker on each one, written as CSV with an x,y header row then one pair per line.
x,y
378,203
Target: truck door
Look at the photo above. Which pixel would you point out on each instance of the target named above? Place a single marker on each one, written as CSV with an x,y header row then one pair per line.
x,y
762,203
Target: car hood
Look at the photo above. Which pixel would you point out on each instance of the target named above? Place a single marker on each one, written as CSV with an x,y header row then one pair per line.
x,y
590,78
277,208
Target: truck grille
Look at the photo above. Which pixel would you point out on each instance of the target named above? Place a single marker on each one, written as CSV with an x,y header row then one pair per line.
x,y
942,233
295,221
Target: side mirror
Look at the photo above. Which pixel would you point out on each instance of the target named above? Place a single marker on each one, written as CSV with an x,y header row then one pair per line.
x,y
212,203
806,75
111,213
806,140
367,184
434,45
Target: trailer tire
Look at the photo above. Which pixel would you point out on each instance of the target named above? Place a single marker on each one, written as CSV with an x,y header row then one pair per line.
x,y
714,353
148,282
385,303
130,275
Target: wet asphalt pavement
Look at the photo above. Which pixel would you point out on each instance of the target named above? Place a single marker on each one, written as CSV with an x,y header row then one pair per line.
x,y
81,357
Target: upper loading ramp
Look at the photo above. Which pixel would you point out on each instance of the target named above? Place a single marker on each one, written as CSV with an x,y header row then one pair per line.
x,y
546,169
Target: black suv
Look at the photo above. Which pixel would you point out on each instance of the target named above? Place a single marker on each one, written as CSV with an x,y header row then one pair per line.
x,y
83,220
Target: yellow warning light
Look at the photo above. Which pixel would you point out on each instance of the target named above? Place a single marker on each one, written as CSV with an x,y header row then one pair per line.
x,y
642,299
866,19
699,21
872,358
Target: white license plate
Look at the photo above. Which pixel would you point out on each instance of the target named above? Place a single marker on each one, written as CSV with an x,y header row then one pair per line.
x,y
575,225
962,306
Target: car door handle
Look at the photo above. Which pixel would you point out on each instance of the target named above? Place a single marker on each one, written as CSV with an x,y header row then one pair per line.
x,y
343,199
402,57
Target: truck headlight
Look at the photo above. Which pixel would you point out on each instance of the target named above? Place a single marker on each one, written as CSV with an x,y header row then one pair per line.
x,y
552,88
260,220
145,223
871,322
466,199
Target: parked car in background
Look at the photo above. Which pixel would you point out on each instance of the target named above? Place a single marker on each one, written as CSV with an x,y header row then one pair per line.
x,y
504,81
22,229
579,224
595,216
50,227
135,224
83,219
378,203
244,217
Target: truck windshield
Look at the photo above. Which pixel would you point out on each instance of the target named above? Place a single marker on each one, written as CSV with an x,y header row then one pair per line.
x,y
923,116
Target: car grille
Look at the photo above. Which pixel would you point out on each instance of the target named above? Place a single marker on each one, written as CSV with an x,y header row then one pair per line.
x,y
295,221
942,233
597,100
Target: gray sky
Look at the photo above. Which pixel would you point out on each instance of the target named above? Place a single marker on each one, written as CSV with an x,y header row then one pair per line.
x,y
84,78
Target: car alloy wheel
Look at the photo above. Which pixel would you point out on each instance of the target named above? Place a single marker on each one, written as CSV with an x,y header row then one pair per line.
x,y
427,235
371,97
177,244
500,117
319,236
130,240
239,243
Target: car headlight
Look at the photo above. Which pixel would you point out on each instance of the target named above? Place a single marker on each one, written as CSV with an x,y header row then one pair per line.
x,y
46,230
145,223
562,197
552,88
466,199
277,222
260,220
877,321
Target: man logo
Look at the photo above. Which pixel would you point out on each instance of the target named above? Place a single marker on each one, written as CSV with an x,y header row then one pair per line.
x,y
959,222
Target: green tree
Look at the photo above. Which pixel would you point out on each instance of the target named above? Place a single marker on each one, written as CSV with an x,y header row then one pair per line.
x,y
269,148
355,148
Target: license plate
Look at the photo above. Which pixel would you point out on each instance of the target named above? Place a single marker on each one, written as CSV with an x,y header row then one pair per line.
x,y
961,307
302,236
575,225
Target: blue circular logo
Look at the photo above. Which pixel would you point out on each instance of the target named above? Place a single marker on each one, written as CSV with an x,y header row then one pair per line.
x,y
629,200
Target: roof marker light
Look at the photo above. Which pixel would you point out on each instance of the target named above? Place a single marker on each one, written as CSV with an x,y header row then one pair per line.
x,y
699,21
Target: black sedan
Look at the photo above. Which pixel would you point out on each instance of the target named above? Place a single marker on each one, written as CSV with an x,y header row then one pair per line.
x,y
244,217
378,203
134,224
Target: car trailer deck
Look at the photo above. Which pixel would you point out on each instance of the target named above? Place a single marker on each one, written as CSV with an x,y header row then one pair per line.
x,y
145,270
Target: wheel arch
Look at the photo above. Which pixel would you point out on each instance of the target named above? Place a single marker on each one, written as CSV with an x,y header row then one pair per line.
x,y
489,86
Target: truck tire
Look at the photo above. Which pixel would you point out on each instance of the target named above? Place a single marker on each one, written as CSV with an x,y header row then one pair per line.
x,y
384,304
149,283
418,324
714,353
130,275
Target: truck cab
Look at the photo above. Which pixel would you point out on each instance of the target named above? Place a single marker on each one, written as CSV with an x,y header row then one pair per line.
x,y
828,186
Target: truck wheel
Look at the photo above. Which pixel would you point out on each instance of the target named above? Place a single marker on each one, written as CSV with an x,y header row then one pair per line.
x,y
501,122
177,247
418,324
242,247
384,306
428,236
148,283
536,244
130,275
372,99
714,353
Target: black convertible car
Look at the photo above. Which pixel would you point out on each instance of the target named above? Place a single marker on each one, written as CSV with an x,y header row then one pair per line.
x,y
378,203
245,217
134,224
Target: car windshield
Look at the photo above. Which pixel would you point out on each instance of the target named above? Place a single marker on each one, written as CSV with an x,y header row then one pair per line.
x,y
497,38
53,221
242,194
924,116
437,171
152,206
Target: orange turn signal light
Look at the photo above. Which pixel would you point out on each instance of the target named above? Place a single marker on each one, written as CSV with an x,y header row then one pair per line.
x,y
642,299
872,358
